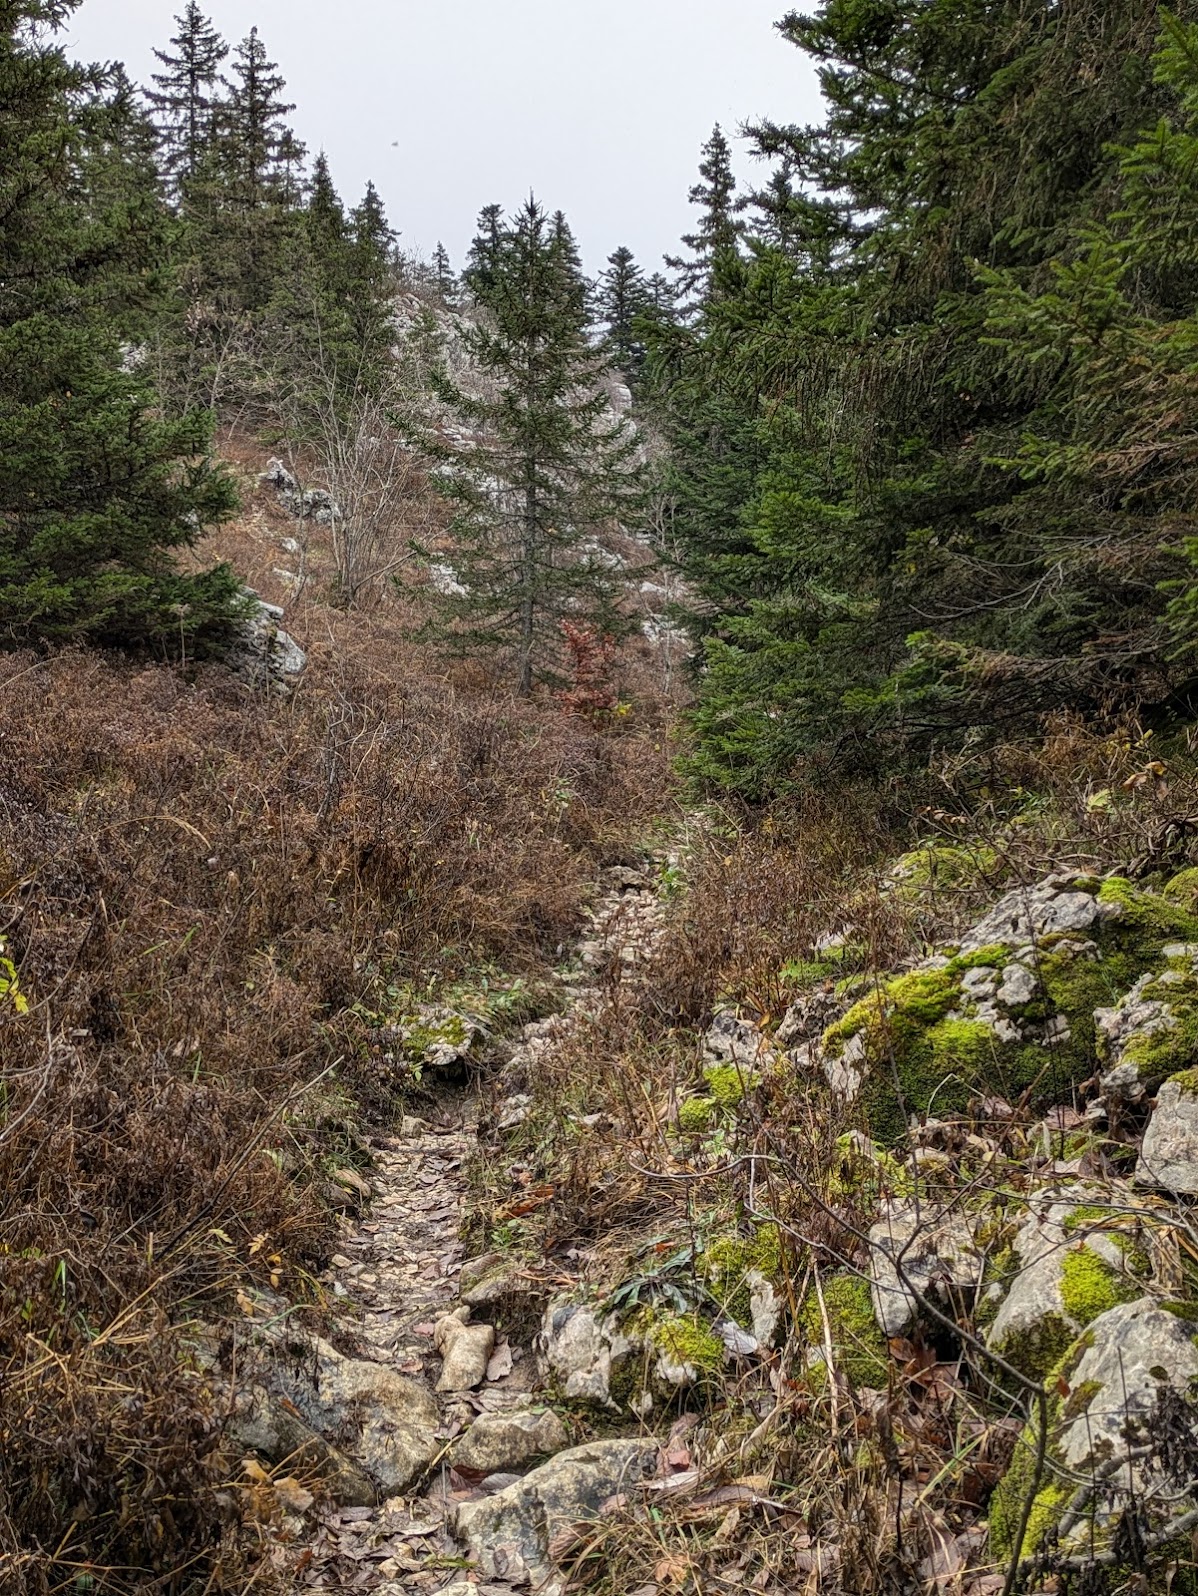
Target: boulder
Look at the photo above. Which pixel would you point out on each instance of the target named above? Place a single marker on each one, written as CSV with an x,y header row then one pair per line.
x,y
509,1534
264,654
938,1258
1104,1398
1064,903
1169,1152
262,1421
731,1040
505,1443
1069,1266
379,1426
580,1352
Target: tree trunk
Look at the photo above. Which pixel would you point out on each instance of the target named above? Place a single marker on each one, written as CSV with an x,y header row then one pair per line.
x,y
527,583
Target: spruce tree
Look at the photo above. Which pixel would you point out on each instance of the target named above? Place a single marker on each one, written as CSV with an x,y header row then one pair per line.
x,y
548,469
720,227
622,298
443,274
256,138
252,184
483,259
185,95
96,490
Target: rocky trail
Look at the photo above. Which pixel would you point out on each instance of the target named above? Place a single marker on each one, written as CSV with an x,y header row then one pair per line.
x,y
429,1433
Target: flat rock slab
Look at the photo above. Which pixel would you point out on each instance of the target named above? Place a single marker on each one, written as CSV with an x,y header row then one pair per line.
x,y
501,1443
509,1534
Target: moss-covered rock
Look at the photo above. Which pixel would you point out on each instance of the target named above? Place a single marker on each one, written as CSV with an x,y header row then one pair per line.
x,y
942,864
858,1345
1102,1396
688,1349
1182,890
1013,1010
1073,1259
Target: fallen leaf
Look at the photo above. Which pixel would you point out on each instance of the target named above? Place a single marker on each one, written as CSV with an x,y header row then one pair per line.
x,y
293,1496
500,1365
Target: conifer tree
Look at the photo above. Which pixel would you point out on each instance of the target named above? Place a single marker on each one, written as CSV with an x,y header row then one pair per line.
x,y
185,95
250,185
549,468
255,136
720,227
482,261
96,490
622,298
443,274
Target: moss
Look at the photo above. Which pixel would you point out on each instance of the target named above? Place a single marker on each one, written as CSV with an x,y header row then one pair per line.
x,y
1039,1347
967,1046
1089,1286
1006,1505
1183,889
688,1341
1182,1310
696,1114
729,1260
1157,1055
924,995
993,957
1149,916
1186,1081
936,864
1079,1399
858,1344
728,1084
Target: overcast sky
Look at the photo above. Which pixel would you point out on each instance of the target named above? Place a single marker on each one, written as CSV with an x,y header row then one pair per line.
x,y
450,105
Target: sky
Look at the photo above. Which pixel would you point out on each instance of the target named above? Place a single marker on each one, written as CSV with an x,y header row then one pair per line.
x,y
450,105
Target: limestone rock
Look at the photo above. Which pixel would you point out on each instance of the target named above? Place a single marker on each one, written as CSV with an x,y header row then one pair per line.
x,y
465,1351
503,1443
263,1422
1169,1151
580,1352
264,654
382,1424
1029,914
509,1534
731,1040
1069,1268
1134,1018
938,1257
1115,1375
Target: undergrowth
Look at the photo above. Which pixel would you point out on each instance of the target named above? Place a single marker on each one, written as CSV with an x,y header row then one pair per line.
x,y
204,890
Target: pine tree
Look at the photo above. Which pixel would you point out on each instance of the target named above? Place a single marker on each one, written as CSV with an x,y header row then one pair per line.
x,y
96,490
720,228
185,97
549,468
622,298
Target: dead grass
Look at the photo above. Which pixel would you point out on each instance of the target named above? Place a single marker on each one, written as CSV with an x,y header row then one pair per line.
x,y
199,887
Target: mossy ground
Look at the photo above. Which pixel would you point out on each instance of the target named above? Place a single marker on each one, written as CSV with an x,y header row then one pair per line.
x,y
858,1345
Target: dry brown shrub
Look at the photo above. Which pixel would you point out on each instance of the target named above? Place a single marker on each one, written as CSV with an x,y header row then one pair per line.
x,y
197,885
